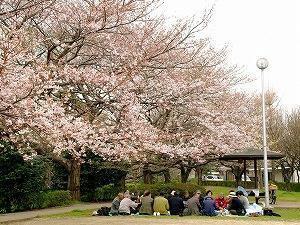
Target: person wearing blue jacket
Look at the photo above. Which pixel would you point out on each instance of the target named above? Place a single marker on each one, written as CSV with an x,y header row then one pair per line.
x,y
209,205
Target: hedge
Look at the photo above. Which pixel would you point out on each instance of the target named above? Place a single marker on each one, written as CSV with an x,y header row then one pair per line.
x,y
295,187
165,187
54,198
107,192
249,184
288,186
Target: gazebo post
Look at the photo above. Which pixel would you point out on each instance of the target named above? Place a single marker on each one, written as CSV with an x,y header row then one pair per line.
x,y
245,180
255,173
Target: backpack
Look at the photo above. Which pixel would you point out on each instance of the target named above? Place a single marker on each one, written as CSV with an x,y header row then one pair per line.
x,y
269,212
103,211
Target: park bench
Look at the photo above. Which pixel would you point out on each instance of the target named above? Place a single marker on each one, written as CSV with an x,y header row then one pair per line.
x,y
258,195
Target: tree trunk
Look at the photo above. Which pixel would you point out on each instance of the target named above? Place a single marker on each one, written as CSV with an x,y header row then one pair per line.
x,y
184,174
298,176
167,176
238,172
199,172
238,180
74,180
147,175
287,173
273,172
121,182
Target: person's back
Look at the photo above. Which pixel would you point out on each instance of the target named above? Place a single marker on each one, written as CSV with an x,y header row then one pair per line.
x,y
126,205
244,200
176,205
236,207
114,210
146,204
193,205
161,205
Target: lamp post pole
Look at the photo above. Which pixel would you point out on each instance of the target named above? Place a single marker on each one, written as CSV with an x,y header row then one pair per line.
x,y
262,64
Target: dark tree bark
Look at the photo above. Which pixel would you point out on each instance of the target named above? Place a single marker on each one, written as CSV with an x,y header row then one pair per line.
x,y
121,182
199,173
167,176
238,172
147,174
287,173
74,179
185,172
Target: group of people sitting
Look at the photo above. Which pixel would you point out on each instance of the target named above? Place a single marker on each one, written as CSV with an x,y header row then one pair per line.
x,y
125,204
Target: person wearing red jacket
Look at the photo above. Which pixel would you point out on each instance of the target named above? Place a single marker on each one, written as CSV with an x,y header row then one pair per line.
x,y
221,202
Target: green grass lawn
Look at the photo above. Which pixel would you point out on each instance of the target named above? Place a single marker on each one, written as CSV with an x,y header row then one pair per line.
x,y
283,196
286,214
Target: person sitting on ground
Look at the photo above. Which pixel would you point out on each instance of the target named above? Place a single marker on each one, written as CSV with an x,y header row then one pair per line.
x,y
235,206
114,210
176,204
161,205
147,202
209,205
194,206
221,202
127,206
185,198
244,200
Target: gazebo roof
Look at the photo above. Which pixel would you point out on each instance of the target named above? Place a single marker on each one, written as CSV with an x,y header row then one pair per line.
x,y
251,154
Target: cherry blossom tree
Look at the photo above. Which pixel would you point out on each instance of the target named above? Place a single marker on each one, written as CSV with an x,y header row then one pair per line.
x,y
109,76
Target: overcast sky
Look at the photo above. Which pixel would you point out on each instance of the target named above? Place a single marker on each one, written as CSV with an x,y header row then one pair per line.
x,y
253,29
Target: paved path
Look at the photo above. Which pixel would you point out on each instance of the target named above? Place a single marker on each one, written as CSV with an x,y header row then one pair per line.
x,y
119,220
43,212
287,205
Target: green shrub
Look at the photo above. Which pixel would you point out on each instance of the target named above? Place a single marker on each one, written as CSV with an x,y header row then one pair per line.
x,y
21,181
225,183
95,174
167,188
54,198
288,186
106,192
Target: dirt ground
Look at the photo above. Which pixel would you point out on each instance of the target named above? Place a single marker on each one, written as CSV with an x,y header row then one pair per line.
x,y
145,221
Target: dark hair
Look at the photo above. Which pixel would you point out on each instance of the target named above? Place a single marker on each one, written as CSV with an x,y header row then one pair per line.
x,y
197,192
239,193
161,193
209,191
147,193
176,194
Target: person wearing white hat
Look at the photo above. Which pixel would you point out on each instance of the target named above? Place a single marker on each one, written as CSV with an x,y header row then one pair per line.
x,y
235,206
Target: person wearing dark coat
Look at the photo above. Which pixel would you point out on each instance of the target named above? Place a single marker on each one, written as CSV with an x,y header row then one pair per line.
x,y
176,204
235,206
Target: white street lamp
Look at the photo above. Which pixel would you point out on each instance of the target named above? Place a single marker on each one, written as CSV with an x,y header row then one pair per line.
x,y
262,64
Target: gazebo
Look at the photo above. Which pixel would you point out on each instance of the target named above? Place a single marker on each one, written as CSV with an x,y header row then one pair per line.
x,y
251,154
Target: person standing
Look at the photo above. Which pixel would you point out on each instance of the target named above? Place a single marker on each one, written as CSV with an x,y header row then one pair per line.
x,y
161,205
146,204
